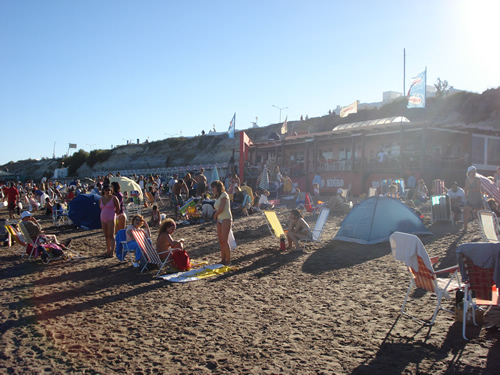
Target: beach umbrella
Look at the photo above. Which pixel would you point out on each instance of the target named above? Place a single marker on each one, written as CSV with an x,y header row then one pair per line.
x,y
215,175
84,211
128,185
264,180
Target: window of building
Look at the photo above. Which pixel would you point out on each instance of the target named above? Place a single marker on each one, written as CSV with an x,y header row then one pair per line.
x,y
485,151
345,153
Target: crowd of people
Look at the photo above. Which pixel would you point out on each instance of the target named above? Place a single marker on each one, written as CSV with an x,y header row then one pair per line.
x,y
218,201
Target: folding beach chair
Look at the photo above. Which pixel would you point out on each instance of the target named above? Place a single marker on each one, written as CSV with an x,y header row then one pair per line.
x,y
409,249
438,187
132,209
159,199
150,255
305,201
345,194
150,199
273,223
248,190
480,281
318,227
393,195
41,238
441,208
488,223
372,192
122,249
59,215
17,238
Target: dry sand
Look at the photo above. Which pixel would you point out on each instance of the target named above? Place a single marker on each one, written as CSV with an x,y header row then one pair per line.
x,y
333,309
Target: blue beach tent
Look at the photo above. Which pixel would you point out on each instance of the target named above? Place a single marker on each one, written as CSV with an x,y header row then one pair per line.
x,y
376,218
84,211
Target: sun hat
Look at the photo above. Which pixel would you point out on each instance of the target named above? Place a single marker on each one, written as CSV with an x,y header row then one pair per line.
x,y
25,214
471,168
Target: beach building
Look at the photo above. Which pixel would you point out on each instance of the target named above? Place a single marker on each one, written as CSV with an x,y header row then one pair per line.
x,y
359,155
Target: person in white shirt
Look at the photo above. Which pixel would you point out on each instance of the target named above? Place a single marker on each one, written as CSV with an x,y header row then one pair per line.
x,y
263,202
457,200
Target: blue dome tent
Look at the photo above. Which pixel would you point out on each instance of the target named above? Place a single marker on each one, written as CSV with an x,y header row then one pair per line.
x,y
376,218
84,211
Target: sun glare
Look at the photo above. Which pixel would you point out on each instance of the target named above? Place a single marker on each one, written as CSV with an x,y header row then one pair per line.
x,y
481,23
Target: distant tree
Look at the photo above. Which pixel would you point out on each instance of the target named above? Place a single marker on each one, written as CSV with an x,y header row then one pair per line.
x,y
442,88
75,161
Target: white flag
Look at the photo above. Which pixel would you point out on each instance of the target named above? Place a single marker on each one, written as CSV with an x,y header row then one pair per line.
x,y
352,108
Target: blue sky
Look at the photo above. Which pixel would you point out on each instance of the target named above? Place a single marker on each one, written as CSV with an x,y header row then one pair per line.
x,y
99,73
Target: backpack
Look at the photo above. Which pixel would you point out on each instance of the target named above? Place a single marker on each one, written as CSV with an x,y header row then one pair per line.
x,y
181,260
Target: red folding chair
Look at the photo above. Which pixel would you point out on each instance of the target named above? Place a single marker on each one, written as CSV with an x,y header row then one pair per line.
x,y
480,282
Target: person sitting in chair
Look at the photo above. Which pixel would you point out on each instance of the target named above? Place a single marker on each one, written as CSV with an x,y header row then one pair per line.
x,y
264,204
457,200
421,192
137,224
298,229
35,231
34,228
165,240
392,191
492,204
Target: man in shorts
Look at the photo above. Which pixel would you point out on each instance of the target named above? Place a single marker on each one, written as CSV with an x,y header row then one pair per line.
x,y
12,198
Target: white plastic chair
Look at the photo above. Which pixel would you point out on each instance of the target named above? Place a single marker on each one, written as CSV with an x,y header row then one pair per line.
x,y
318,227
488,222
409,249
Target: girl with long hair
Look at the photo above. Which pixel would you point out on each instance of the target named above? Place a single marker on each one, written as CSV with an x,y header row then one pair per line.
x,y
224,220
121,217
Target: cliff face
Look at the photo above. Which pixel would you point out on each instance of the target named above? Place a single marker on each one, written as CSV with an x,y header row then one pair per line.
x,y
167,153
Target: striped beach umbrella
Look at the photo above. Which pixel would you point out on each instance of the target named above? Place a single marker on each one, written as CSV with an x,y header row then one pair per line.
x,y
264,180
215,175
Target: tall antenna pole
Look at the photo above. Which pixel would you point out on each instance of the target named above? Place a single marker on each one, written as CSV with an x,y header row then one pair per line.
x,y
54,152
404,71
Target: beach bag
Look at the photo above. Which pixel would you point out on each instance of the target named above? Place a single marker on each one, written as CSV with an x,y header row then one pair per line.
x,y
49,251
231,240
181,260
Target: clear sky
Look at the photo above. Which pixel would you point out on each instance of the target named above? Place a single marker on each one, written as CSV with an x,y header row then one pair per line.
x,y
100,72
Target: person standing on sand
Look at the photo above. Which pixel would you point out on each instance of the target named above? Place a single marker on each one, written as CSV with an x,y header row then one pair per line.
x,y
474,194
109,208
201,183
12,198
121,217
298,229
224,220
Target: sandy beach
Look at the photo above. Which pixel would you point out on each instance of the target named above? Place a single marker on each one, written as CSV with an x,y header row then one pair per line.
x,y
332,309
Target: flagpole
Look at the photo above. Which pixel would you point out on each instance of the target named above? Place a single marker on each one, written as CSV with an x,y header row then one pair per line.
x,y
404,71
425,84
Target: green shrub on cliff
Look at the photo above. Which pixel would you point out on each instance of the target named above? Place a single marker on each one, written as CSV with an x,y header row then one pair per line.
x,y
75,161
98,156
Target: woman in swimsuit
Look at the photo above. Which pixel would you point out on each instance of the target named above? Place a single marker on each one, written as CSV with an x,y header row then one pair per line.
x,y
109,208
298,229
165,240
121,216
224,220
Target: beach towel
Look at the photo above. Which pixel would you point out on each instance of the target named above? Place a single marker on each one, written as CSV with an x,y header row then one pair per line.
x,y
197,274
